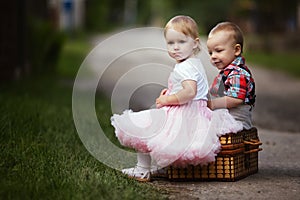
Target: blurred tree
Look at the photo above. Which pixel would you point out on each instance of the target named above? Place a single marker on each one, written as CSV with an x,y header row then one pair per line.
x,y
29,41
161,11
12,40
143,12
275,16
130,11
103,15
207,13
43,39
276,24
243,13
251,15
106,14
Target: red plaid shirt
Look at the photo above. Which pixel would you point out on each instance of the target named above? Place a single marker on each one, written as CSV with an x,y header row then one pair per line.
x,y
235,81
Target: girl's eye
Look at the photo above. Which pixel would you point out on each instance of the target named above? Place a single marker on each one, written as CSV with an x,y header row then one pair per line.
x,y
210,53
182,41
170,43
219,50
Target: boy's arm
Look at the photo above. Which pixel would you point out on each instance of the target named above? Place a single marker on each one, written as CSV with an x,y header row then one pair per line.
x,y
224,102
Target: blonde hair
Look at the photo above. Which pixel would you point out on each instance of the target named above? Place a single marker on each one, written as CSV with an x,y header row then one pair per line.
x,y
237,34
185,25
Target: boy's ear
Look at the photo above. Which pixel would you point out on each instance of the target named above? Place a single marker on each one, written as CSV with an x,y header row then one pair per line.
x,y
238,49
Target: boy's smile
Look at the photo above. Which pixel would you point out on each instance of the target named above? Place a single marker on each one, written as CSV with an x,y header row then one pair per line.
x,y
222,49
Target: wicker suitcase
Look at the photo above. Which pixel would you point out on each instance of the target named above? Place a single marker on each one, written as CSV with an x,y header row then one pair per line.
x,y
252,143
237,159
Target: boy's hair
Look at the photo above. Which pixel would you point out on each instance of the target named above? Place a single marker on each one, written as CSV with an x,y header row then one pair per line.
x,y
185,25
230,27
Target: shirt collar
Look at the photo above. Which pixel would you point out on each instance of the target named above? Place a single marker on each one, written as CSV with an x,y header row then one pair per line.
x,y
238,61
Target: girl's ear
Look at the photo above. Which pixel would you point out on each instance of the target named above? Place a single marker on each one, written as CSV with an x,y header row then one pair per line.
x,y
237,50
196,42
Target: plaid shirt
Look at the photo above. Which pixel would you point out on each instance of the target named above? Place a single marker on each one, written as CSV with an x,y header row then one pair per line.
x,y
235,81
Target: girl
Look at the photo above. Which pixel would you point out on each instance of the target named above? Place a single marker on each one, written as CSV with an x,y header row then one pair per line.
x,y
182,129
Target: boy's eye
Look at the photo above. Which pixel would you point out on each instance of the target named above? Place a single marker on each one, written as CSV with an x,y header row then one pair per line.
x,y
170,42
182,41
210,53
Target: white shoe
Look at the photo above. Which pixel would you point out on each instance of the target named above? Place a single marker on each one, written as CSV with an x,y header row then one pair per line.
x,y
138,173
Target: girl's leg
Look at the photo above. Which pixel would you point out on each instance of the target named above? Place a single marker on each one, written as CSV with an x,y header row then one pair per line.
x,y
144,161
141,171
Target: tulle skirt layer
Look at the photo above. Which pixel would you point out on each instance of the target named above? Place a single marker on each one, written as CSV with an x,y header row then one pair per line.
x,y
177,135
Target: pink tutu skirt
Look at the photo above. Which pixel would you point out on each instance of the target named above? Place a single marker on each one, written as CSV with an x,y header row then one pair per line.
x,y
177,135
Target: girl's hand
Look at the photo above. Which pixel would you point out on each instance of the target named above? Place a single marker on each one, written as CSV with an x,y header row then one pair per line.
x,y
159,105
163,92
161,100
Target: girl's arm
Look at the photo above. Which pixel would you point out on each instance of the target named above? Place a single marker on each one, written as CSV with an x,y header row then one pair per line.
x,y
224,102
187,93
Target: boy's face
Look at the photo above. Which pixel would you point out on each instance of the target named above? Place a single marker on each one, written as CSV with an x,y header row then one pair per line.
x,y
222,49
180,46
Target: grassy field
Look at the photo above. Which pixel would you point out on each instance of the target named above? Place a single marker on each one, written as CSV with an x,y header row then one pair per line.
x,y
42,156
284,62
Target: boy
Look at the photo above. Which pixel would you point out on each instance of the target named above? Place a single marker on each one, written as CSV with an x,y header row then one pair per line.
x,y
234,86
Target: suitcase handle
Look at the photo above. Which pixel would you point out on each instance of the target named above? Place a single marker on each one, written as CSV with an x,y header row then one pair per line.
x,y
253,151
253,142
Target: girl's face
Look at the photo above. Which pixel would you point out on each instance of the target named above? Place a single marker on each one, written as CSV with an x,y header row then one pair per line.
x,y
222,49
180,46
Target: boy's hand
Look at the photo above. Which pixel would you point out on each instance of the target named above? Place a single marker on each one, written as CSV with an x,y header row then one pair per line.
x,y
224,102
209,104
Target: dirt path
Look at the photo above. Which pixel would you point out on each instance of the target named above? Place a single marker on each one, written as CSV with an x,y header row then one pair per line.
x,y
278,105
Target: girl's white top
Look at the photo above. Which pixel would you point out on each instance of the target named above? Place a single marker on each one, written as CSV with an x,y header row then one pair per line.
x,y
190,69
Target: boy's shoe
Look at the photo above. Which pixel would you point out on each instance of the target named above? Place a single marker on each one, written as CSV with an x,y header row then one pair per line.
x,y
157,172
138,173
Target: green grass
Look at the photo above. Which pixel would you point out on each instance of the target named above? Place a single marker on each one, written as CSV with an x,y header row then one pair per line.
x,y
42,156
73,54
285,62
